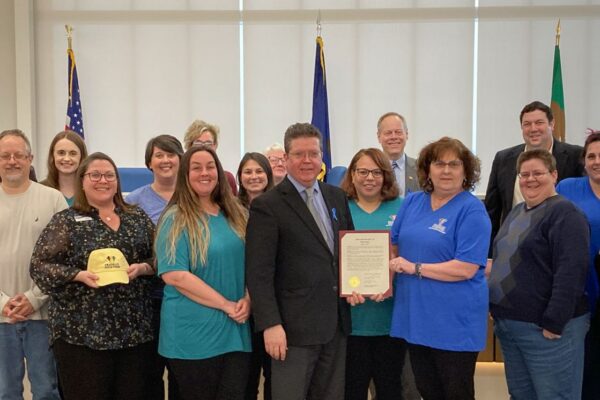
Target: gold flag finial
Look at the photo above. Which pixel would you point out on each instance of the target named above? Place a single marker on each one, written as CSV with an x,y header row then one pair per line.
x,y
69,30
558,33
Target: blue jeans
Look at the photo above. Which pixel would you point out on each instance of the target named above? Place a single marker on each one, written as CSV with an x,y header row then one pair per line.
x,y
539,368
27,340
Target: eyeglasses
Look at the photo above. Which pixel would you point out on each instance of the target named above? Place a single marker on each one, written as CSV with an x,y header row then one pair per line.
x,y
363,172
16,156
301,155
276,160
535,175
207,143
454,164
97,176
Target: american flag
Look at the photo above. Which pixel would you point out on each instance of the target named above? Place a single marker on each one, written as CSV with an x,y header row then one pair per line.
x,y
74,117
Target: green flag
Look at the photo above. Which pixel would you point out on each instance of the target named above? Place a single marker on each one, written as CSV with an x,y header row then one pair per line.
x,y
558,99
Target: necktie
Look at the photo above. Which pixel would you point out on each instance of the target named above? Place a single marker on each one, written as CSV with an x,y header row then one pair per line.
x,y
316,216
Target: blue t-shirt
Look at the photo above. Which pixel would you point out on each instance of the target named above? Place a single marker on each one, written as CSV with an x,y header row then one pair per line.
x,y
148,200
579,191
189,330
70,200
371,318
443,315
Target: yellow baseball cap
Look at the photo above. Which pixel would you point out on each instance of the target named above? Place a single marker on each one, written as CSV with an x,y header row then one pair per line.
x,y
110,265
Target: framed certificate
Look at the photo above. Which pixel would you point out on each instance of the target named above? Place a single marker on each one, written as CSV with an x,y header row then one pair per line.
x,y
364,263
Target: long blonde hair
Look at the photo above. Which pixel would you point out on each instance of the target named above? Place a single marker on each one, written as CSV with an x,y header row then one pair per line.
x,y
188,215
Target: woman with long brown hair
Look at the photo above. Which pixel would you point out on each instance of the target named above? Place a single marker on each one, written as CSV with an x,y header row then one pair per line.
x,y
204,332
67,151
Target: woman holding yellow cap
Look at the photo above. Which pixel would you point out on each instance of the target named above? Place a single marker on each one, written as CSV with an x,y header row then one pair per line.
x,y
92,260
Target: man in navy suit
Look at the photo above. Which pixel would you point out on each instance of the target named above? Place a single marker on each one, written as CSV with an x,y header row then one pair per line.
x,y
292,274
537,125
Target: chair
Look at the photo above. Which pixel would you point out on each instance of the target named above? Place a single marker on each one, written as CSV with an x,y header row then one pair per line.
x,y
133,178
335,175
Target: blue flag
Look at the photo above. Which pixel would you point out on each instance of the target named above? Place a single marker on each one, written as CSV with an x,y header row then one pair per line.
x,y
320,112
74,117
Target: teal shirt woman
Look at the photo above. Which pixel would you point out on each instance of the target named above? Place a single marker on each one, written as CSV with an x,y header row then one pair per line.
x,y
372,318
190,330
204,332
372,355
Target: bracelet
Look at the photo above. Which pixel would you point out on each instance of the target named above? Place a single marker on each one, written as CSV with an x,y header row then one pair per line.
x,y
418,267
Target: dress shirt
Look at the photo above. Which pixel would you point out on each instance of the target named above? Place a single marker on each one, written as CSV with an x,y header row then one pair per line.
x,y
320,206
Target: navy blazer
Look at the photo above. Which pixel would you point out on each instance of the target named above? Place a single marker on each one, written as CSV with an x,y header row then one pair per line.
x,y
501,185
291,273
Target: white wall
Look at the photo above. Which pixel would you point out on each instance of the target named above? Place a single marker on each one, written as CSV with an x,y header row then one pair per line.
x,y
145,70
8,103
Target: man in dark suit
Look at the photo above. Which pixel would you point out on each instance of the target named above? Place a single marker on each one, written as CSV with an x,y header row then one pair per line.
x,y
392,134
292,274
537,124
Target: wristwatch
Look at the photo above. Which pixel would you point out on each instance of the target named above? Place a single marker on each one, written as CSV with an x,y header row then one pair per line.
x,y
418,267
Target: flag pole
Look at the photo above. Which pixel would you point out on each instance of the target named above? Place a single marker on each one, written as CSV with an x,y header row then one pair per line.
x,y
318,23
74,121
557,102
320,112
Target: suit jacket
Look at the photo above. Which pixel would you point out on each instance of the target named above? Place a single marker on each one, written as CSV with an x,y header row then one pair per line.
x,y
292,275
411,180
501,185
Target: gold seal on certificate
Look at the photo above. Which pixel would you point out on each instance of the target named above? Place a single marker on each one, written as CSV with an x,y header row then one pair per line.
x,y
364,262
354,281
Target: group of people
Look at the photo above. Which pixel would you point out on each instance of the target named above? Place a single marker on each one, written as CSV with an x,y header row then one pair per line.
x,y
217,277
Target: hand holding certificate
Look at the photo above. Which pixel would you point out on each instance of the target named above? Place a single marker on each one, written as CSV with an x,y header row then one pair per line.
x,y
364,263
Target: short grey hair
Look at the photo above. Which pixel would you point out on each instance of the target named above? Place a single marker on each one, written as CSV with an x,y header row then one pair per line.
x,y
274,146
18,133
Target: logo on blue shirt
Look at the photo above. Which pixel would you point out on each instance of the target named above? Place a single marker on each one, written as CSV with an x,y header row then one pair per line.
x,y
391,220
439,226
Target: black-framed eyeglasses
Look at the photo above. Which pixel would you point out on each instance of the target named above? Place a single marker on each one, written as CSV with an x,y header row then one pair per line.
x,y
364,172
97,176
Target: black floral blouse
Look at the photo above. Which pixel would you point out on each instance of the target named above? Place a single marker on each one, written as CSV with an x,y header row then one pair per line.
x,y
111,317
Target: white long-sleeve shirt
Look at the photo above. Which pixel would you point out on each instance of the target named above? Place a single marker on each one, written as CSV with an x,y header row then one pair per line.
x,y
23,216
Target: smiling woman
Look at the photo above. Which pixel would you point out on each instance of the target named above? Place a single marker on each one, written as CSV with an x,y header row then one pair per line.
x,y
441,239
66,152
254,176
93,322
537,280
585,193
204,334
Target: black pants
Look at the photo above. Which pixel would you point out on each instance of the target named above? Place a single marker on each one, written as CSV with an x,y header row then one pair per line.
x,y
155,389
591,368
90,374
442,374
259,360
223,377
380,358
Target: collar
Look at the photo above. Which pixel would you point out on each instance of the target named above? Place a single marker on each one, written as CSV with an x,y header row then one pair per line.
x,y
300,187
400,161
550,149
